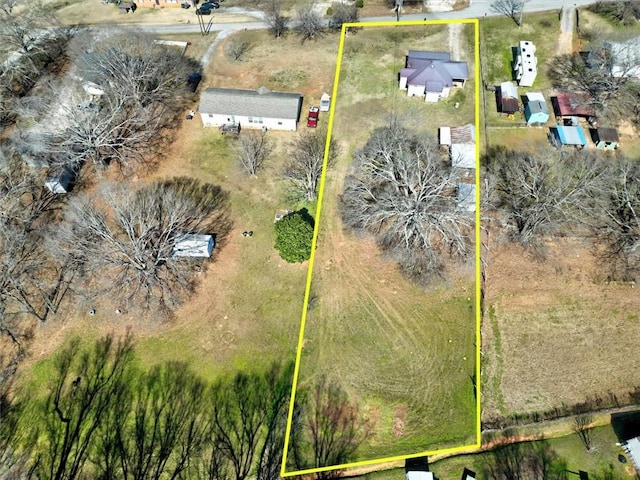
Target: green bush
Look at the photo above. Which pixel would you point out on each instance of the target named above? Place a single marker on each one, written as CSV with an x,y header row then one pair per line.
x,y
329,11
294,234
359,3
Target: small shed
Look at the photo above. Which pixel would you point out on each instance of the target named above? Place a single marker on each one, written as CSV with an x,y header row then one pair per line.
x,y
536,110
606,138
466,197
462,144
417,469
508,98
325,102
569,135
193,245
61,183
573,105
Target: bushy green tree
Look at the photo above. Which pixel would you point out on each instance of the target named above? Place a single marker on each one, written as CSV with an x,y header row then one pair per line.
x,y
294,234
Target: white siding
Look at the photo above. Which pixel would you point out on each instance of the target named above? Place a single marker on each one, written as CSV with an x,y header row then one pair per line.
x,y
432,97
216,120
415,90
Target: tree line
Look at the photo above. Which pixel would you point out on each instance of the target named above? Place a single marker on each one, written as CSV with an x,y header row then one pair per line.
x,y
105,417
534,196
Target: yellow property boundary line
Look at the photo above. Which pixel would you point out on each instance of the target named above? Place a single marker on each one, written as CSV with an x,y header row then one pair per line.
x,y
464,448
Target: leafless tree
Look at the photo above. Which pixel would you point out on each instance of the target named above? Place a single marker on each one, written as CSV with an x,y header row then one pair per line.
x,y
252,149
331,427
343,13
543,195
121,240
617,221
309,22
236,48
401,190
582,425
609,90
513,9
307,153
627,12
275,19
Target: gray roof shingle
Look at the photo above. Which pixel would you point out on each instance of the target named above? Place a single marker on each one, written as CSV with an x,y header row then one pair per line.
x,y
251,103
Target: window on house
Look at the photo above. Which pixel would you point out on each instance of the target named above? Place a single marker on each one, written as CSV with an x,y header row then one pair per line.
x,y
279,123
250,119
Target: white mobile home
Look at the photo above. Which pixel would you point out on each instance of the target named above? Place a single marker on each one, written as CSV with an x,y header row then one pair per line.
x,y
259,108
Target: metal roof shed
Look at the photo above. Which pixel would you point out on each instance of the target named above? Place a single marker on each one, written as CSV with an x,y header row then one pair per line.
x,y
570,135
193,245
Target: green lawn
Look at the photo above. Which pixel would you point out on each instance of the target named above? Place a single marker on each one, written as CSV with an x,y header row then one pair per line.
x,y
406,353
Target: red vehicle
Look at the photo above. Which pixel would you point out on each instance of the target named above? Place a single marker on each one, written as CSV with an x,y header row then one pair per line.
x,y
312,119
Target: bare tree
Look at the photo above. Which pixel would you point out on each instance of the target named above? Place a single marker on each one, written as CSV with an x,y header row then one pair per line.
x,y
309,22
617,222
582,425
252,149
626,12
307,153
343,13
542,195
122,241
510,8
607,86
331,428
275,19
236,48
401,190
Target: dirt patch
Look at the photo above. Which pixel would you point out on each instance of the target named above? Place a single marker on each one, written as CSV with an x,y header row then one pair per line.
x,y
399,416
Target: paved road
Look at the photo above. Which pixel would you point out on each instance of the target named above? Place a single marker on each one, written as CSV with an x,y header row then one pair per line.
x,y
477,9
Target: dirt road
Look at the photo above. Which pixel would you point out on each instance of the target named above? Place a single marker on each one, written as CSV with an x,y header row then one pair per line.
x,y
567,25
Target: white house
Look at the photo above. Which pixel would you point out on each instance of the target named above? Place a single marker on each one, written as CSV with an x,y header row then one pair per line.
x,y
525,65
193,245
432,75
259,108
462,145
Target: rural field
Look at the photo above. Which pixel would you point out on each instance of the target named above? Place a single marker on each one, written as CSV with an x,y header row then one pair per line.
x,y
406,353
555,332
246,310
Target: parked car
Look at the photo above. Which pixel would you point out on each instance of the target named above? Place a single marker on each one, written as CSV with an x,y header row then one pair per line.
x,y
312,119
193,81
205,8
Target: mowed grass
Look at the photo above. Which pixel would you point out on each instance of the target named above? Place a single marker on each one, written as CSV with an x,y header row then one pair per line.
x,y
405,353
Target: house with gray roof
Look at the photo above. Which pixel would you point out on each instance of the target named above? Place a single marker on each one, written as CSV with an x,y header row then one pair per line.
x,y
259,108
432,75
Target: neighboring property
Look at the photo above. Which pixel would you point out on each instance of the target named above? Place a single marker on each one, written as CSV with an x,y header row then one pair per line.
x,y
573,105
417,469
325,102
165,3
632,447
536,110
525,64
625,58
259,108
466,197
462,145
432,75
605,138
565,135
508,98
193,245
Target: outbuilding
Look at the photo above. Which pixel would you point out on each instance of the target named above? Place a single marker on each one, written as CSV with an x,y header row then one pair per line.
x,y
508,98
193,245
259,108
536,110
565,135
605,138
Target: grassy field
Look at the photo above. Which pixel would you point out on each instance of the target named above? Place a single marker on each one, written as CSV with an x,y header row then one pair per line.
x,y
406,353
